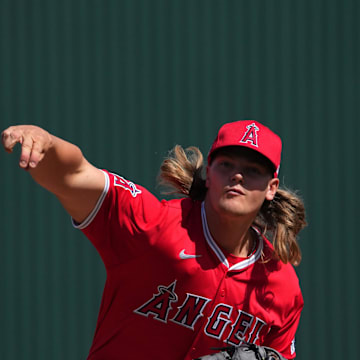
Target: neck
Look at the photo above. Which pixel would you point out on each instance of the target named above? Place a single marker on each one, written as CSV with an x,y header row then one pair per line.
x,y
233,234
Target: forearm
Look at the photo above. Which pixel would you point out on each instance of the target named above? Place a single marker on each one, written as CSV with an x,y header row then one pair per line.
x,y
57,170
58,166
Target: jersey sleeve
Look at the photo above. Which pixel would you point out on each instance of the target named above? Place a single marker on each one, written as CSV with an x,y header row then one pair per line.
x,y
123,219
283,338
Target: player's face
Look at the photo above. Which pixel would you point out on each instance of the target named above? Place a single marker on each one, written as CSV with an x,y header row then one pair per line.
x,y
238,182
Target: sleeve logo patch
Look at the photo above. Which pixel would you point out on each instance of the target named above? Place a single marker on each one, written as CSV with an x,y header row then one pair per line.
x,y
127,185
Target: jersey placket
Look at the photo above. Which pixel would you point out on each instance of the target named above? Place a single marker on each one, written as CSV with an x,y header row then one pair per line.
x,y
211,323
217,319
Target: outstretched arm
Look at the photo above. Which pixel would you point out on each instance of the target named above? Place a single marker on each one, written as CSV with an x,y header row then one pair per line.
x,y
58,166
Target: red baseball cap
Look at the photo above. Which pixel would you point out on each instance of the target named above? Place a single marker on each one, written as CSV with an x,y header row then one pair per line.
x,y
250,134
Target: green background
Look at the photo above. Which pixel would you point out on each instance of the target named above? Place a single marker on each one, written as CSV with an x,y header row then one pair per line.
x,y
126,80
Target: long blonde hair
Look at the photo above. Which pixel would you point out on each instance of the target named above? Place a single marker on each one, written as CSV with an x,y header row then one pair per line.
x,y
281,219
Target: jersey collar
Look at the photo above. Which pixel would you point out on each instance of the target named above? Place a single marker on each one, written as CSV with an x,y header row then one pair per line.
x,y
211,242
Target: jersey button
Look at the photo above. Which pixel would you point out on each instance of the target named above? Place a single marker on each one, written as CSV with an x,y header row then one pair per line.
x,y
222,293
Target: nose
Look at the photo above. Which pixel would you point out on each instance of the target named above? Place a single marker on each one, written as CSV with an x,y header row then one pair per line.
x,y
237,177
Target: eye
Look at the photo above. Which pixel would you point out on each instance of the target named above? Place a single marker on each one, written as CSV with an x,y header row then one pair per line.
x,y
225,164
254,170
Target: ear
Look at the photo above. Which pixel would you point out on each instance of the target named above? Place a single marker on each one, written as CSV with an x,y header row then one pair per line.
x,y
272,188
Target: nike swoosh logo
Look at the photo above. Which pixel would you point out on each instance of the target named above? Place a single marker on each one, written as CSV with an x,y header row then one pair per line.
x,y
184,256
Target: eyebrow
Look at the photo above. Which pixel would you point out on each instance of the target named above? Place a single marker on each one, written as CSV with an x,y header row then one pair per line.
x,y
252,158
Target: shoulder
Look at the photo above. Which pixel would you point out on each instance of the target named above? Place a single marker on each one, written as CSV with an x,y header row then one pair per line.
x,y
184,207
281,276
183,204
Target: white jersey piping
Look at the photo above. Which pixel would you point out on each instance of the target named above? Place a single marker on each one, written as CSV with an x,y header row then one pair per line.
x,y
97,207
211,242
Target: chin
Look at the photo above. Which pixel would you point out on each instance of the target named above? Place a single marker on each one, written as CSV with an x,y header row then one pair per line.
x,y
236,209
233,210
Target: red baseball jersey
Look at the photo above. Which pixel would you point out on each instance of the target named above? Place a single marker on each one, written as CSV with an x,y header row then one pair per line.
x,y
171,292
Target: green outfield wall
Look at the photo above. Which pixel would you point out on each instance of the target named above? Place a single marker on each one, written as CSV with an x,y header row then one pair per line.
x,y
126,80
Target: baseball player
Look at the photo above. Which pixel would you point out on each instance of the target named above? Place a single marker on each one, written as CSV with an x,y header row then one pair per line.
x,y
188,276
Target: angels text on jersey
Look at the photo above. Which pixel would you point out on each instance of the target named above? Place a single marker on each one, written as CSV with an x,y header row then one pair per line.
x,y
246,327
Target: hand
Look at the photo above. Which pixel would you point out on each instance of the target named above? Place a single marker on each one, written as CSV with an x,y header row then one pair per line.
x,y
35,142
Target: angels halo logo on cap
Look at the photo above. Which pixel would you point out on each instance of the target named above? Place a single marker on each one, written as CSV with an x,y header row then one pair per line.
x,y
250,134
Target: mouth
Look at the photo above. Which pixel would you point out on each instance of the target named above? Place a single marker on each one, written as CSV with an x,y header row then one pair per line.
x,y
234,191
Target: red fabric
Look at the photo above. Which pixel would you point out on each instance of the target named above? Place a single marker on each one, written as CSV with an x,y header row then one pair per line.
x,y
159,305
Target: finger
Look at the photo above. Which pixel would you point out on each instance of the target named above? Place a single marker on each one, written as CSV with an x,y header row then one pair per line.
x,y
26,148
37,153
9,138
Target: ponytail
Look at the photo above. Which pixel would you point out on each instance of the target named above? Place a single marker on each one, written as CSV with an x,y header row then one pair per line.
x,y
182,173
283,218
